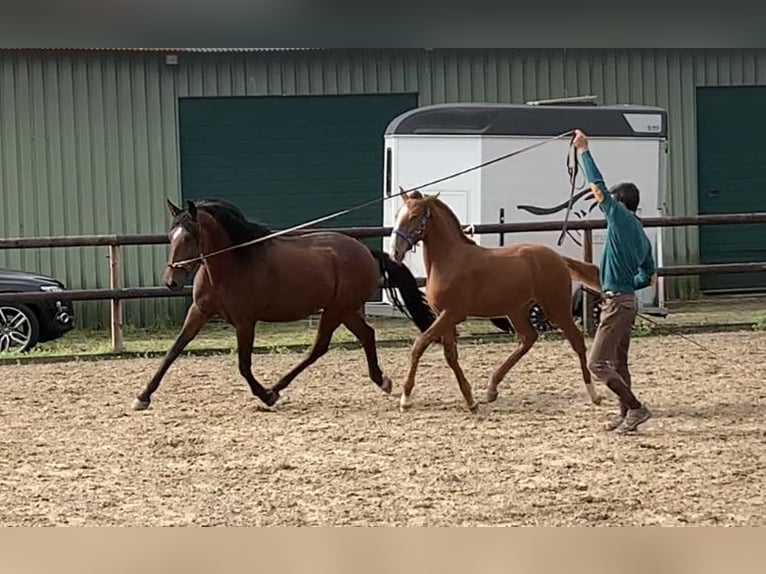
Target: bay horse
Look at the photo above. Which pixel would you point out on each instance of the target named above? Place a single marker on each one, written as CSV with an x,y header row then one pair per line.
x,y
464,279
284,278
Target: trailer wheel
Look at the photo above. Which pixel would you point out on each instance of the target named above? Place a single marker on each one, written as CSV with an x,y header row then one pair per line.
x,y
541,324
536,318
597,313
577,309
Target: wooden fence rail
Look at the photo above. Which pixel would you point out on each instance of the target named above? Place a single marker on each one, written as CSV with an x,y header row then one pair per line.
x,y
154,292
370,232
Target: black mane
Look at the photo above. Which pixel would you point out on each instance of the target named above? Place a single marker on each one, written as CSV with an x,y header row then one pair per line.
x,y
237,226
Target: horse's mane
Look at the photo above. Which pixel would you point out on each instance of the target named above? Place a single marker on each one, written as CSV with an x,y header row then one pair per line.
x,y
230,218
444,208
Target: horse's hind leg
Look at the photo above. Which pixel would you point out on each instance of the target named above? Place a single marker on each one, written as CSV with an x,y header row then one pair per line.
x,y
567,325
527,335
194,321
356,323
449,341
327,325
245,338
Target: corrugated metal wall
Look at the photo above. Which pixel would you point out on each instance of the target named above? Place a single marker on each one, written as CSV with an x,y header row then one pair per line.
x,y
88,139
87,146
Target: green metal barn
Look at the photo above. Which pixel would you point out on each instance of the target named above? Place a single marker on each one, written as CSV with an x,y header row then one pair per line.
x,y
92,141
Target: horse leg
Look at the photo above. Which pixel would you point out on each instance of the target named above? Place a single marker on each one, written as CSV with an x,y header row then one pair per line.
x,y
576,340
356,323
193,323
245,338
444,321
449,341
527,336
327,325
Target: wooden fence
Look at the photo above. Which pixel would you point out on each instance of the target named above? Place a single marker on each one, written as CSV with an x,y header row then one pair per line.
x,y
115,243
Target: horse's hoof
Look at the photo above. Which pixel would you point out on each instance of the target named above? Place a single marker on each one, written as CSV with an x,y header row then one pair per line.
x,y
273,400
386,385
595,397
491,395
474,408
597,400
139,405
271,406
405,403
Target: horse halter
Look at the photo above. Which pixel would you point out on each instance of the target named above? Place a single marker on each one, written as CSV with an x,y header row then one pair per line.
x,y
186,266
417,234
189,265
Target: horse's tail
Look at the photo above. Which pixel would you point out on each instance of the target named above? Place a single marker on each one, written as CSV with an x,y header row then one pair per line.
x,y
398,276
583,272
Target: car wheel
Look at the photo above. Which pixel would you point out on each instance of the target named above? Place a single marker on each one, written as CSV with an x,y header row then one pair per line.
x,y
19,328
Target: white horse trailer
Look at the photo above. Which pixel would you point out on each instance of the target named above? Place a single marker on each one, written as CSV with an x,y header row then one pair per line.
x,y
629,143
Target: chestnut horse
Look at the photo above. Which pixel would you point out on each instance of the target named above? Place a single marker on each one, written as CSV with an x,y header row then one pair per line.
x,y
284,278
465,279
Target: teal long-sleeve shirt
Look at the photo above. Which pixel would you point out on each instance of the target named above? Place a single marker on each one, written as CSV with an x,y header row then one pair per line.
x,y
627,264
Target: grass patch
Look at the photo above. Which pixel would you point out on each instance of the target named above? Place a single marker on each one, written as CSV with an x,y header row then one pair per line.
x,y
760,323
220,337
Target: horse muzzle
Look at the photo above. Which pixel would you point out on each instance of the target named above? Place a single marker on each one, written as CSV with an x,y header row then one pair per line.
x,y
174,278
174,285
400,245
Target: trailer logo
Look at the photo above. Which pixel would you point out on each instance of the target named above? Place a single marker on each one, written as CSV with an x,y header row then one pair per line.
x,y
580,213
644,123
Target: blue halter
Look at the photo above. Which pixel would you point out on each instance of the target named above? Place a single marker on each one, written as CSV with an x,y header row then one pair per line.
x,y
417,234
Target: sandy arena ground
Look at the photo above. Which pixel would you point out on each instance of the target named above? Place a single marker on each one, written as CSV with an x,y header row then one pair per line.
x,y
340,453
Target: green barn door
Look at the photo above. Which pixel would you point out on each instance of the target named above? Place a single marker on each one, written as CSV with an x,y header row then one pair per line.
x,y
288,159
731,132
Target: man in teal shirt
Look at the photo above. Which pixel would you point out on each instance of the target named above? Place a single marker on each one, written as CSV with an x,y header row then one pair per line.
x,y
627,265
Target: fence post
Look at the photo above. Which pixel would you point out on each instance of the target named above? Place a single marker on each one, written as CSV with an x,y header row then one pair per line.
x,y
587,298
502,220
116,304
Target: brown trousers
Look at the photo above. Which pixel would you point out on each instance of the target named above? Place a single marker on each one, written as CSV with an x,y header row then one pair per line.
x,y
609,354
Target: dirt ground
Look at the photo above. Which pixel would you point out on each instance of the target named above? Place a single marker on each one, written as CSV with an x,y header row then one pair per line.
x,y
340,453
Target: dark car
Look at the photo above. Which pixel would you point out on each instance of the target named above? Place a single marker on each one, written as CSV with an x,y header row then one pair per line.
x,y
25,324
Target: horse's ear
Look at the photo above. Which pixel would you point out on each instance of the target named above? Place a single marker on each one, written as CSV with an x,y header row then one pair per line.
x,y
435,195
173,208
410,196
191,208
